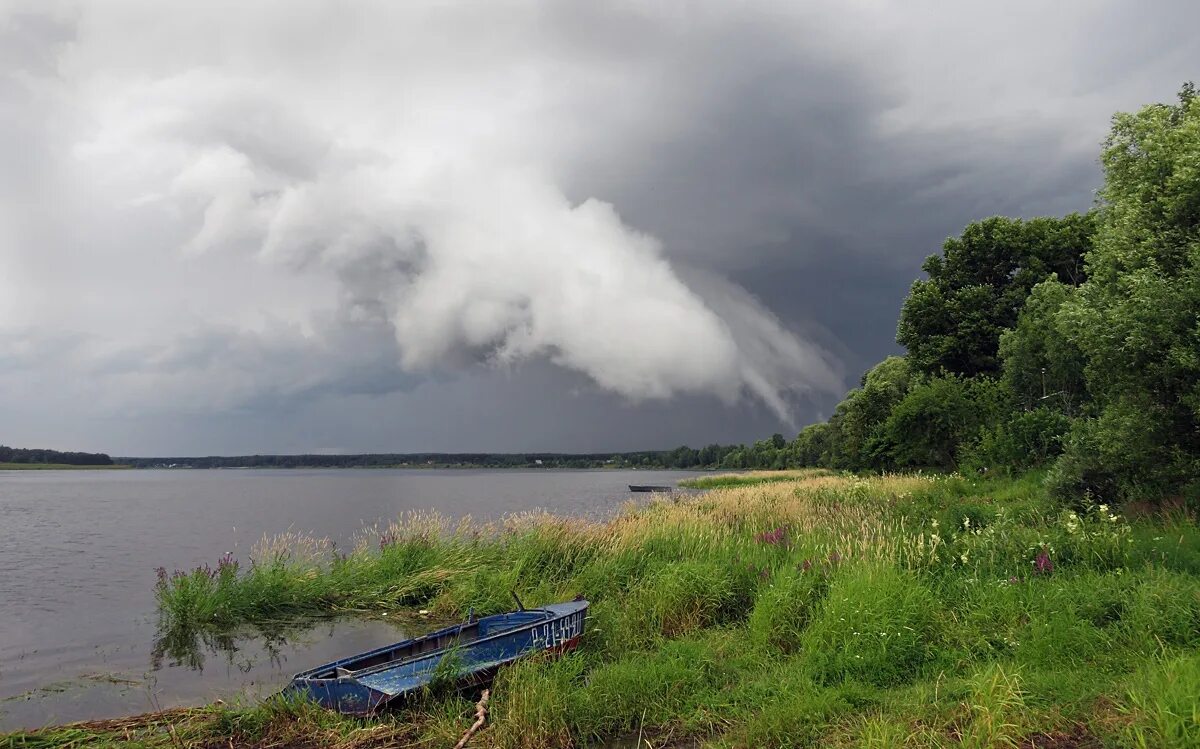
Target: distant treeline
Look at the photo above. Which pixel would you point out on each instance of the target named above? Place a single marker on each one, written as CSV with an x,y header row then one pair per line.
x,y
20,455
683,457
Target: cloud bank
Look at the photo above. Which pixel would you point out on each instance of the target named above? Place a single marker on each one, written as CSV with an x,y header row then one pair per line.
x,y
424,203
231,227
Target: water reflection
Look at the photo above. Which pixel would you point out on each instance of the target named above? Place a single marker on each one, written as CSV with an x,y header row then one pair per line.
x,y
194,667
267,644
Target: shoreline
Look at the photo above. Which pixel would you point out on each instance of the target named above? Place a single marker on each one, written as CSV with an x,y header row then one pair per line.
x,y
62,467
808,608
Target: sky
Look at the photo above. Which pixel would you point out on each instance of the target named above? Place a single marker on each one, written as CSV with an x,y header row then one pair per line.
x,y
294,226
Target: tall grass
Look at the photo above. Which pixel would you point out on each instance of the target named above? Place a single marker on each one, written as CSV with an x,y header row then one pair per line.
x,y
809,609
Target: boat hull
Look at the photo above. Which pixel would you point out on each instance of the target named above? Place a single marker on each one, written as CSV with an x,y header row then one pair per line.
x,y
467,654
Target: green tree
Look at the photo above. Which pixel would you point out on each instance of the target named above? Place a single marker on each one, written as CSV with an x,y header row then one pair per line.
x,y
857,420
1137,318
952,321
927,427
812,446
1019,440
1043,366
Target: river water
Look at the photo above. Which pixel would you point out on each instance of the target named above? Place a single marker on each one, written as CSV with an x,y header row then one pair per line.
x,y
78,550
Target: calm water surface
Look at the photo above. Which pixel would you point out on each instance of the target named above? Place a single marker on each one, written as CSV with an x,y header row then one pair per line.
x,y
78,551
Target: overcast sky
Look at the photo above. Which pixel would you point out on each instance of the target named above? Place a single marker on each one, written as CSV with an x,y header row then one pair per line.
x,y
290,226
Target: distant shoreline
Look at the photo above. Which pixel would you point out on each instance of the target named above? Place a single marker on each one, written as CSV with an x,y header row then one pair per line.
x,y
60,467
303,467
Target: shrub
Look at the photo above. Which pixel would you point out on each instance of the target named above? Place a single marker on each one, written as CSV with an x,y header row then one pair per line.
x,y
1023,440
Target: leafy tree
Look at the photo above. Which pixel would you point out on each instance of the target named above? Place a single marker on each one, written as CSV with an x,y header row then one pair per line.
x,y
926,428
812,446
952,321
1020,440
26,455
1137,318
858,418
1043,366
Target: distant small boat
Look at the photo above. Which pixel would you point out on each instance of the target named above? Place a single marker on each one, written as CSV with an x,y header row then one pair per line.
x,y
364,683
646,488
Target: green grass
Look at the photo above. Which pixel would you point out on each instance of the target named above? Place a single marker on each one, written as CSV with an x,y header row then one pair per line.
x,y
811,610
751,478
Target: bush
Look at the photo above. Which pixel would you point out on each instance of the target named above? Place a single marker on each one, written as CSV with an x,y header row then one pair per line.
x,y
925,429
1023,440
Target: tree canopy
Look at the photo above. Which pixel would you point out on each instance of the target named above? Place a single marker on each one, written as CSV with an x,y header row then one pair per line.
x,y
952,321
1071,342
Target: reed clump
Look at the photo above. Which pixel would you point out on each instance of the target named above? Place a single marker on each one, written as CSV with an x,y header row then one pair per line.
x,y
810,609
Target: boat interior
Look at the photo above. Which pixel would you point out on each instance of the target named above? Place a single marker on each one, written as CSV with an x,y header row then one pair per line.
x,y
457,636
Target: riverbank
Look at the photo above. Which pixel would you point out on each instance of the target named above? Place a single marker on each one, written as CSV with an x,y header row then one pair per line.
x,y
818,610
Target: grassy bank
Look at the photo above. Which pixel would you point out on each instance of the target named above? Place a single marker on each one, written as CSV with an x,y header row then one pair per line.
x,y
752,478
820,610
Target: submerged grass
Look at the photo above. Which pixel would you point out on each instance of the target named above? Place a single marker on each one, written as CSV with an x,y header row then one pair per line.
x,y
806,609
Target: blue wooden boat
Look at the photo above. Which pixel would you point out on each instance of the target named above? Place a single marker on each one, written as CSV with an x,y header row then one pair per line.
x,y
364,683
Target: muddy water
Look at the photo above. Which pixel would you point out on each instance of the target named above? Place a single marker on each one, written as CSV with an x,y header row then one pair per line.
x,y
78,551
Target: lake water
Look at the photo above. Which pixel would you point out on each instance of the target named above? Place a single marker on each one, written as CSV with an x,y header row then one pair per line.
x,y
78,550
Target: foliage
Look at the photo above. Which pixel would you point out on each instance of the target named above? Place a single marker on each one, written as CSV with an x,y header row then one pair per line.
x,y
1135,320
681,457
24,456
1043,367
1069,344
1019,441
952,321
858,422
927,427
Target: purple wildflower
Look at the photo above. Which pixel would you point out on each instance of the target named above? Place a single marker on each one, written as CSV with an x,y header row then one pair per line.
x,y
773,538
1042,564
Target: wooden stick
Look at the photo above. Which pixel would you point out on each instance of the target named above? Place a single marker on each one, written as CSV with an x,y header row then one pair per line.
x,y
480,715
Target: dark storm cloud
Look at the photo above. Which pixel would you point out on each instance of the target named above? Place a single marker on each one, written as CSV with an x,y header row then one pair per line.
x,y
791,182
249,243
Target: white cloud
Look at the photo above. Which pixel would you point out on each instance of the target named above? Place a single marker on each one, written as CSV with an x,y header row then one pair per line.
x,y
399,158
325,195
